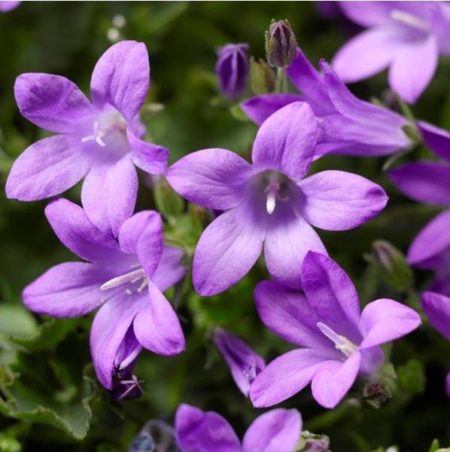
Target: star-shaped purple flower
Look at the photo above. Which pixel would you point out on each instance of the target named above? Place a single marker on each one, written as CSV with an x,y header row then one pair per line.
x,y
406,37
124,277
429,182
349,125
269,204
98,140
199,431
338,342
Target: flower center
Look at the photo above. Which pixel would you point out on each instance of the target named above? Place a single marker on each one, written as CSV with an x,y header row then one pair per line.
x,y
108,129
409,19
276,189
340,342
135,281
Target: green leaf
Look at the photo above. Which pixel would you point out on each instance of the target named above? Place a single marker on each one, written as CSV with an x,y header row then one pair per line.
x,y
15,320
411,377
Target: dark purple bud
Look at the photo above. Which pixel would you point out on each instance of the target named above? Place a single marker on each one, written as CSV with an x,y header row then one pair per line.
x,y
232,69
155,436
281,45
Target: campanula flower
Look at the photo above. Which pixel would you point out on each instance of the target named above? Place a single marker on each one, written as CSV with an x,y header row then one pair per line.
x,y
337,341
406,37
206,431
429,182
98,140
244,363
269,203
6,6
232,69
123,277
349,125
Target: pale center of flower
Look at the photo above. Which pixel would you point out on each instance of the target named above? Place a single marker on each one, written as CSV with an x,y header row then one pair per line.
x,y
276,189
341,343
130,280
109,128
409,19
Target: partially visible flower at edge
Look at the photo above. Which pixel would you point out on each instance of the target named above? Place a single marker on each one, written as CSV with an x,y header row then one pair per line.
x,y
274,431
99,141
244,363
338,342
349,125
232,69
6,6
270,203
124,277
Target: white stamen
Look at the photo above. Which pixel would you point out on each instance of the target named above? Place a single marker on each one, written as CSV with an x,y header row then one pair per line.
x,y
409,19
97,136
340,342
133,276
271,202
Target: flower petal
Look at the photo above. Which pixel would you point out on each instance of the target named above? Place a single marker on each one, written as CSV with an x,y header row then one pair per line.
x,y
333,380
385,320
226,251
199,430
284,377
275,431
51,102
368,14
259,108
287,313
71,289
244,363
427,182
109,194
47,168
436,139
212,178
78,234
431,241
338,201
413,68
437,309
331,294
142,234
121,78
286,141
149,157
287,242
170,270
157,327
108,331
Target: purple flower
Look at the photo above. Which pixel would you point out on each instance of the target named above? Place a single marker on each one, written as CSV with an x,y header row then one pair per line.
x,y
429,182
269,203
349,125
199,431
100,141
406,37
232,69
124,277
8,6
338,342
244,363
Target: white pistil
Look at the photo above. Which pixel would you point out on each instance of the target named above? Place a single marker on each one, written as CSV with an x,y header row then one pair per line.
x,y
271,196
130,277
340,342
409,19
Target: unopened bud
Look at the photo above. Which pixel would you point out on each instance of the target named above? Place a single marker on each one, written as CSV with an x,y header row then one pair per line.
x,y
311,442
262,77
281,45
155,436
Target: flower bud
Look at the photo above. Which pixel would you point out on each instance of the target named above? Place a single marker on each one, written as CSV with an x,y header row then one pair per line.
x,y
167,201
155,436
262,77
232,69
281,45
311,442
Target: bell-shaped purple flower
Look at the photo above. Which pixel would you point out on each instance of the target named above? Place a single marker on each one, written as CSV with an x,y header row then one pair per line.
x,y
349,125
337,341
429,182
274,431
244,363
232,69
270,203
99,141
124,277
406,37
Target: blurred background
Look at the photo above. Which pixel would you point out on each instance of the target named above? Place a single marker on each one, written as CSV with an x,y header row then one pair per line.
x,y
49,399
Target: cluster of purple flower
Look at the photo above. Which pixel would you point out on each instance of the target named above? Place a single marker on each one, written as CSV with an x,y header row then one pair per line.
x,y
269,205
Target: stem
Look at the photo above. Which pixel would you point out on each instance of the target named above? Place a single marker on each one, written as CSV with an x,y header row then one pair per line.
x,y
281,85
